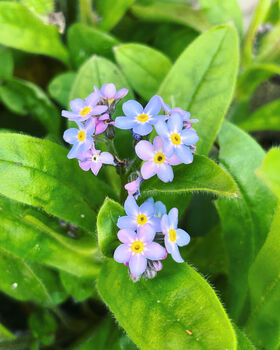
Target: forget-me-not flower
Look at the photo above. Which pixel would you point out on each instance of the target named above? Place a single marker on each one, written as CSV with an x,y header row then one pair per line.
x,y
109,93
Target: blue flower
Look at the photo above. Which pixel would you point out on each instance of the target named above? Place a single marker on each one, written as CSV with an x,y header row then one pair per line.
x,y
81,138
173,236
84,109
139,119
109,93
176,139
142,218
160,208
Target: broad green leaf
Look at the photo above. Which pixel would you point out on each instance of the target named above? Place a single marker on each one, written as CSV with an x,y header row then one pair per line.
x,y
107,226
266,117
170,11
223,12
43,326
245,220
98,71
251,78
127,344
37,172
41,7
60,86
26,281
111,12
269,46
23,30
79,288
270,169
201,175
6,63
84,41
25,98
32,235
263,325
5,334
176,310
205,86
243,342
144,67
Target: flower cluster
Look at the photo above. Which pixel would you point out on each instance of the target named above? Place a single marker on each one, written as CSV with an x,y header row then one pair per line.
x,y
147,233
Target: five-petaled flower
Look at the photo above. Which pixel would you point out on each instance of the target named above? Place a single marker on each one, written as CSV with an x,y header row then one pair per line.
x,y
109,93
173,236
141,218
177,139
157,161
84,109
93,159
81,138
136,249
139,119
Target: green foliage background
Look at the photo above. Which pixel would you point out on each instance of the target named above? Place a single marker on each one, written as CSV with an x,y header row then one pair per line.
x,y
59,286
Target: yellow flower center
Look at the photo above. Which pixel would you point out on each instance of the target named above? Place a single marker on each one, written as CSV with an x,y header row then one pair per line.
x,y
159,158
142,219
172,235
137,247
110,100
85,111
81,135
176,139
142,118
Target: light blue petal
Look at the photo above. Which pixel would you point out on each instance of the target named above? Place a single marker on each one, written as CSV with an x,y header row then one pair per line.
x,y
189,137
77,105
124,123
69,115
146,233
162,129
153,107
132,108
127,222
90,126
137,264
147,208
183,238
184,154
165,173
93,98
143,129
175,123
154,251
160,209
71,135
108,90
164,224
131,207
176,254
155,223
173,218
168,148
122,254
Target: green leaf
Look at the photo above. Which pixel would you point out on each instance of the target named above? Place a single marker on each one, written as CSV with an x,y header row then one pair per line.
x,y
5,334
269,46
6,63
41,7
223,12
111,12
270,169
60,86
37,172
144,67
201,175
23,30
32,235
84,41
23,97
43,326
245,220
26,281
170,11
176,310
79,288
267,117
243,342
205,86
127,344
98,71
263,325
107,226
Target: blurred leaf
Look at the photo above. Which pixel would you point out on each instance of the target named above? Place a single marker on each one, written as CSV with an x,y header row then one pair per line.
x,y
21,29
263,325
41,7
127,344
270,169
98,71
84,41
107,226
144,67
111,12
43,326
79,288
243,342
259,16
170,11
176,310
223,12
5,334
26,281
246,220
251,78
205,86
6,63
267,117
37,172
32,235
23,97
269,50
60,86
